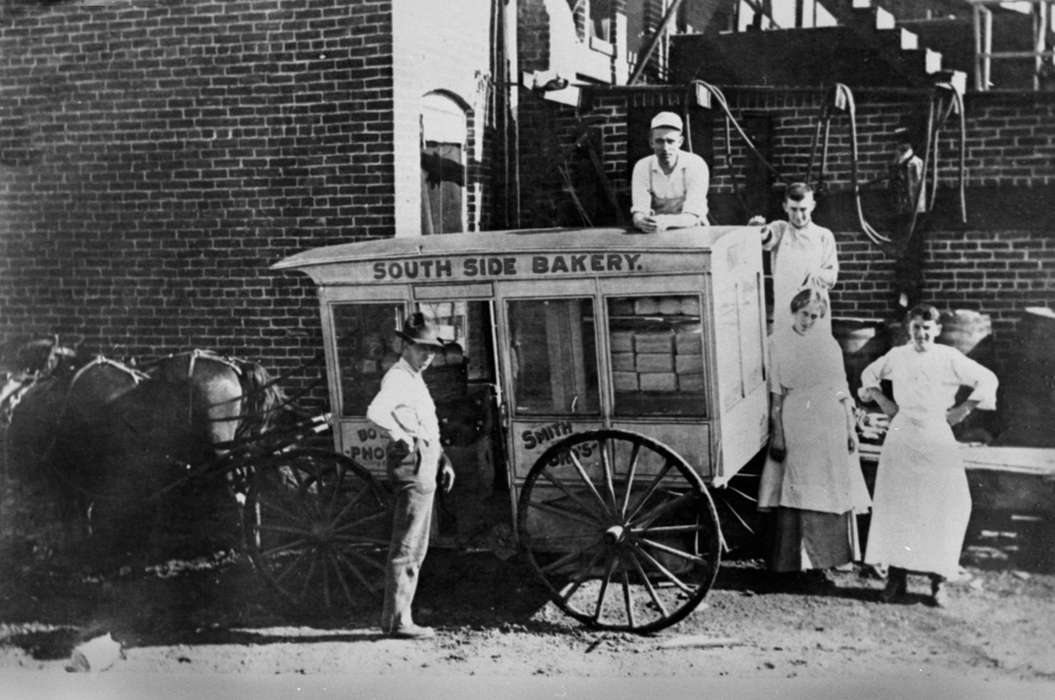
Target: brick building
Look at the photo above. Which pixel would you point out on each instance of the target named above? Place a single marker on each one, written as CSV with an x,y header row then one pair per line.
x,y
157,157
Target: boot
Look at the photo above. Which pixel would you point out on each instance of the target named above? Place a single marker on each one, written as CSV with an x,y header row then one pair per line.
x,y
896,585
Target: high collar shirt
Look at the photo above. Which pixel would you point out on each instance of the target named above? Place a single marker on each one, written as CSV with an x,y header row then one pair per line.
x,y
403,406
801,257
684,191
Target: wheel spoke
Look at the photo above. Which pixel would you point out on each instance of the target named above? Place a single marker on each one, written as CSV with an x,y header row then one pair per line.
x,y
648,583
662,509
325,581
565,596
336,565
740,493
286,530
336,488
586,480
666,529
270,505
570,515
344,527
671,576
628,599
743,523
359,496
651,489
566,491
301,556
606,466
688,556
308,576
631,474
285,547
604,588
375,563
569,557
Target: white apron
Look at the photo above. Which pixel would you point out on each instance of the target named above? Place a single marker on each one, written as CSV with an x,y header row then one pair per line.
x,y
922,502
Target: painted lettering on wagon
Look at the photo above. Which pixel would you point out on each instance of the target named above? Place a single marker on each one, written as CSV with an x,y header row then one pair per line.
x,y
506,266
535,437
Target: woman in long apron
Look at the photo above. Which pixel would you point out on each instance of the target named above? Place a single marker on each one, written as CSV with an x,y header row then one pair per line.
x,y
812,478
922,502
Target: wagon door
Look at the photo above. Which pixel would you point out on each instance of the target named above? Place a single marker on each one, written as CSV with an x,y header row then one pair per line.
x,y
661,372
549,339
740,350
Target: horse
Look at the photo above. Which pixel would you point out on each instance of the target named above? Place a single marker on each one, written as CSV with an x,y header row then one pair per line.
x,y
120,447
51,425
161,457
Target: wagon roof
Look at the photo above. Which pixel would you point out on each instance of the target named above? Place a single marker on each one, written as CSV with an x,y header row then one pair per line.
x,y
509,242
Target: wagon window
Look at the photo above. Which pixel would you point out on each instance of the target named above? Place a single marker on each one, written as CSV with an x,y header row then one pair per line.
x,y
656,356
554,356
366,348
468,358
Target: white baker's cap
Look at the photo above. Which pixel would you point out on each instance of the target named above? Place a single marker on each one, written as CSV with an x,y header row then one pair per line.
x,y
667,119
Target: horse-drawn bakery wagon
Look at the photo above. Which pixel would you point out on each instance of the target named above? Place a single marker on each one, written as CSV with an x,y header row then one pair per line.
x,y
609,379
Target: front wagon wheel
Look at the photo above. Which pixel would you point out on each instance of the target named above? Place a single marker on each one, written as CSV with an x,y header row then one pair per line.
x,y
620,529
317,528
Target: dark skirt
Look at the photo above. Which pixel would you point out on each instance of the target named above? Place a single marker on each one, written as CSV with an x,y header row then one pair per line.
x,y
809,539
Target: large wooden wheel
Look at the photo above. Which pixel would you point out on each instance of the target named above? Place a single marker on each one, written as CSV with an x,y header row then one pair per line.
x,y
620,529
317,529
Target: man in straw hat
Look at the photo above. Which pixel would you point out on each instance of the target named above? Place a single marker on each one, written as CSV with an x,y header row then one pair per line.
x,y
669,188
404,409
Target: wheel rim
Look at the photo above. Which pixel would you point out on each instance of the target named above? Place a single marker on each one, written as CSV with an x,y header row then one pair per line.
x,y
317,530
620,529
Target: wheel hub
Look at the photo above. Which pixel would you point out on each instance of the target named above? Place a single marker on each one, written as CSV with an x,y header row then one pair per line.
x,y
616,534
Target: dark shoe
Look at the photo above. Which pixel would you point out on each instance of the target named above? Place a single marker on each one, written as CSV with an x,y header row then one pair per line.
x,y
819,581
411,632
896,586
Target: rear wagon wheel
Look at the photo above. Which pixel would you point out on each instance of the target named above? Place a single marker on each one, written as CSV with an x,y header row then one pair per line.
x,y
620,529
317,528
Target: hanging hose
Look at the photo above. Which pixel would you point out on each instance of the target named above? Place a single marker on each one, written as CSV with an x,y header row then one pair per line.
x,y
730,124
840,98
938,113
953,106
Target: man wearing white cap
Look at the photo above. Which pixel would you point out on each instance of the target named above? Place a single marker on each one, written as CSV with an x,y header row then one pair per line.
x,y
668,189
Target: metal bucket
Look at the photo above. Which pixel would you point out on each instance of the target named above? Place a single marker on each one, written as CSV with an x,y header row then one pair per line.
x,y
965,330
862,341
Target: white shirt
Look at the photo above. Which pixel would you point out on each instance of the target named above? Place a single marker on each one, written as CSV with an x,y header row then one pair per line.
x,y
684,191
804,257
403,407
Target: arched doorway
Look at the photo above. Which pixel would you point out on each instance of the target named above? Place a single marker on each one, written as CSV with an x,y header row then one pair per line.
x,y
444,133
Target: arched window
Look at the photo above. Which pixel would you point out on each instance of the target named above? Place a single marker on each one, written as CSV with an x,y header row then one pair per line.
x,y
443,144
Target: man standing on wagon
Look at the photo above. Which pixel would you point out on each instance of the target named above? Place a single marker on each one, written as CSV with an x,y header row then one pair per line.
x,y
404,409
669,188
803,254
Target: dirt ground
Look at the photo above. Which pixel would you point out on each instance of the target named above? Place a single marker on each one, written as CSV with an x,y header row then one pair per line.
x,y
212,616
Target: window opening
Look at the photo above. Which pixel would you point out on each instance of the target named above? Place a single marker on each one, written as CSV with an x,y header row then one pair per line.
x,y
554,356
656,345
367,346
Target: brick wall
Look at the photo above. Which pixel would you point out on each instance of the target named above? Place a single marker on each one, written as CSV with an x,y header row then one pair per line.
x,y
157,157
999,263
